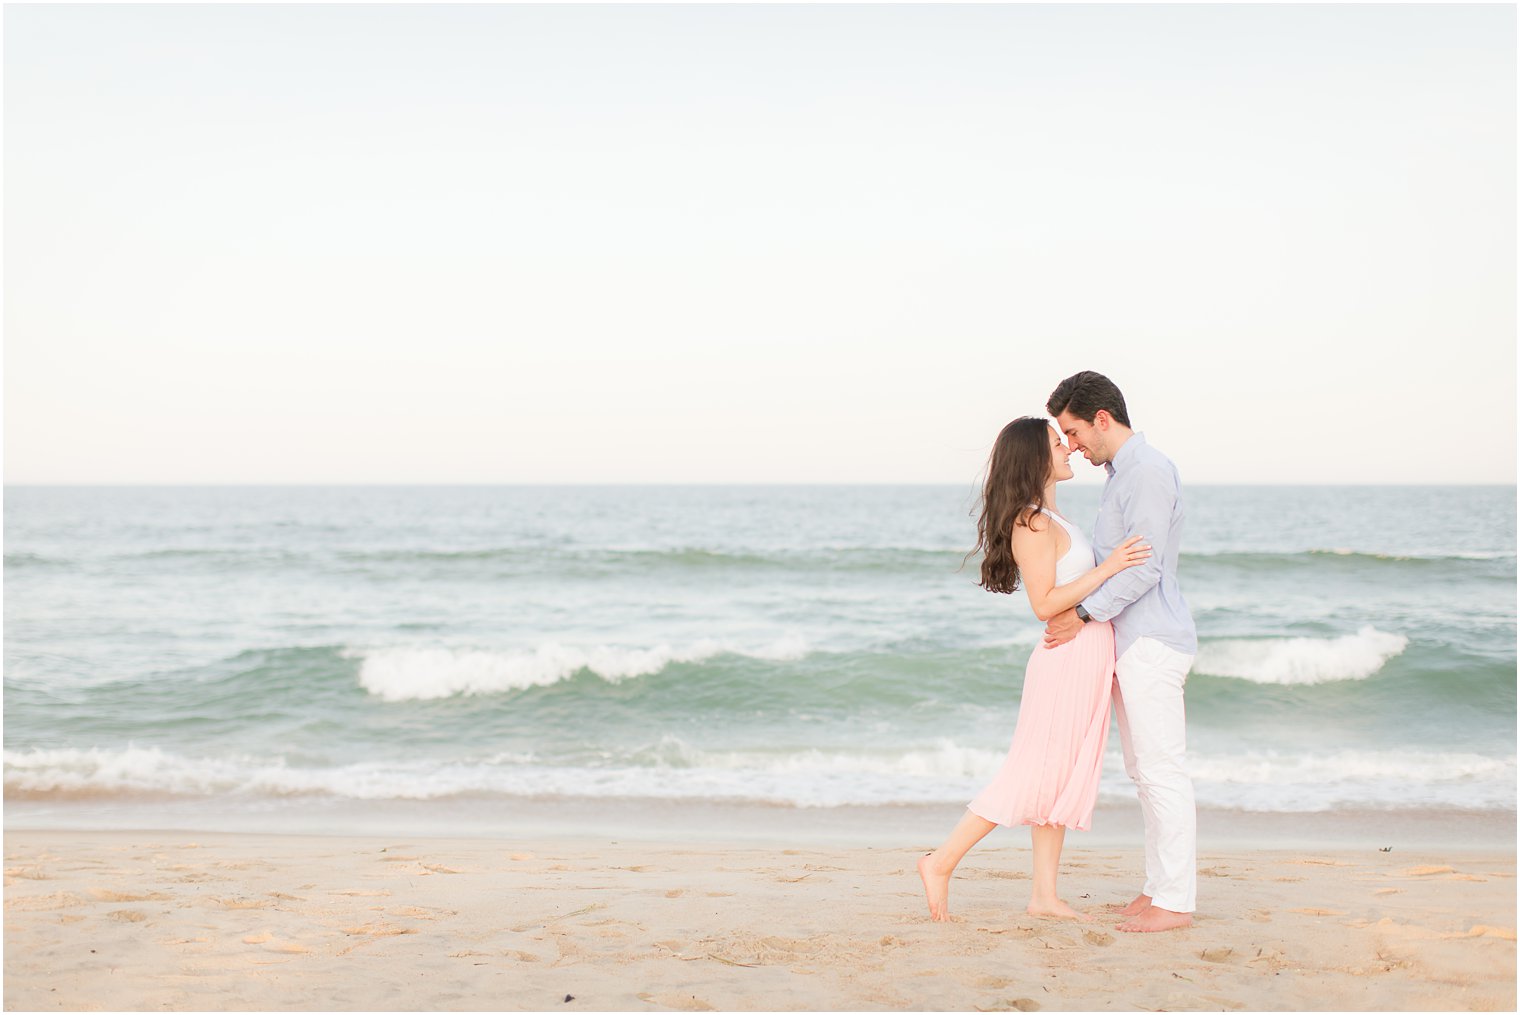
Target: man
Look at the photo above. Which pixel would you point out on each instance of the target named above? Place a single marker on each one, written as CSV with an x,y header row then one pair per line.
x,y
1154,637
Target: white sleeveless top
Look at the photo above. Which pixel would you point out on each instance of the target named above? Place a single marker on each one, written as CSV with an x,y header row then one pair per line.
x,y
1078,558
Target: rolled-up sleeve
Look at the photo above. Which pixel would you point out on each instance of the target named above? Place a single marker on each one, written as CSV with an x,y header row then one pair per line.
x,y
1146,506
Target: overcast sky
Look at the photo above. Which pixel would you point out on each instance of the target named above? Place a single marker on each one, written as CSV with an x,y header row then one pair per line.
x,y
478,244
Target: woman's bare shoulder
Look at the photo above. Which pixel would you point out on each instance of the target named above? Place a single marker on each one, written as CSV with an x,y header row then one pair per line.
x,y
1032,520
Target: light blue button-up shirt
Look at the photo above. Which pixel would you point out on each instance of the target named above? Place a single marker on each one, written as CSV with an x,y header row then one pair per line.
x,y
1142,497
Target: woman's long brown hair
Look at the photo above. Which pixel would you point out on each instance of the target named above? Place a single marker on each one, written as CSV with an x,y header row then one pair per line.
x,y
1017,472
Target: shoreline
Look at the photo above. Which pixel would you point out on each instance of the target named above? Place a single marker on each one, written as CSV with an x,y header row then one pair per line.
x,y
1114,824
276,921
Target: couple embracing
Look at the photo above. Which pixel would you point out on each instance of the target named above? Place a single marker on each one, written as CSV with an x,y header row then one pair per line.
x,y
1116,633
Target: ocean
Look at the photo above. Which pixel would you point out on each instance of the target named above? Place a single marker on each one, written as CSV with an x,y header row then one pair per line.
x,y
242,654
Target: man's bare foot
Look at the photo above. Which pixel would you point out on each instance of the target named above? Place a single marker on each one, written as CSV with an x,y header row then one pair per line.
x,y
936,888
1155,918
1057,909
1141,903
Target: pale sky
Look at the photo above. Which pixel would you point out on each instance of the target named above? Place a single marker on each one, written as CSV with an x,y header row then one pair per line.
x,y
497,244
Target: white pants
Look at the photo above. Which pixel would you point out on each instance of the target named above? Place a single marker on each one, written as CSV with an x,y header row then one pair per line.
x,y
1153,729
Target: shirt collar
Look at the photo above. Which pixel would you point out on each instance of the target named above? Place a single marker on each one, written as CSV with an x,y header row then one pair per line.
x,y
1125,453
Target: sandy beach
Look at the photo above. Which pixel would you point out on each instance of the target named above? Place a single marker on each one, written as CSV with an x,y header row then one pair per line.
x,y
218,921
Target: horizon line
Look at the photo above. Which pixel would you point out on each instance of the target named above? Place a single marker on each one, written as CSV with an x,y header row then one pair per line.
x,y
685,483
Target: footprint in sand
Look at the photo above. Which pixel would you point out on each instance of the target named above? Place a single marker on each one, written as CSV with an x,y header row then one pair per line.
x,y
1481,930
127,915
36,903
30,873
1218,955
378,930
420,913
274,944
241,903
109,895
1018,932
1097,937
1313,911
675,893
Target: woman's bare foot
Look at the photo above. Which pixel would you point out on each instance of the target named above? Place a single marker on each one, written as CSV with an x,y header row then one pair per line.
x,y
1155,918
936,888
1141,903
1057,909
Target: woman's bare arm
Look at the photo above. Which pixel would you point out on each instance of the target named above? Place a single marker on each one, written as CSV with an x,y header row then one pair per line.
x,y
1034,548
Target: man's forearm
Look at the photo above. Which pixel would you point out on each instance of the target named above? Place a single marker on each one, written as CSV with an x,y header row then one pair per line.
x,y
1108,600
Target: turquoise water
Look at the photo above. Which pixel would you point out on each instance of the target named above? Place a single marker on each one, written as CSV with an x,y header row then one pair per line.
x,y
285,647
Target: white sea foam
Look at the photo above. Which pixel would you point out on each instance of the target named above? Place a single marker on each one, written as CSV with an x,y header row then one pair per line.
x,y
1301,781
419,674
939,772
149,770
943,759
1300,660
1424,553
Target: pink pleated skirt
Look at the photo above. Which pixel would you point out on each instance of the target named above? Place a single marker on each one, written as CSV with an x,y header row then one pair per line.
x,y
1050,776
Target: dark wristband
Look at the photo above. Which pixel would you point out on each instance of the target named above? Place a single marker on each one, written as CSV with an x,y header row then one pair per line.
x,y
1083,614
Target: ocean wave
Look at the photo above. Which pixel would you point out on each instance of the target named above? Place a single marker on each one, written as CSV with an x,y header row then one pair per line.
x,y
1421,554
679,558
1323,555
1300,660
137,771
34,560
941,772
1279,768
1389,779
421,674
943,759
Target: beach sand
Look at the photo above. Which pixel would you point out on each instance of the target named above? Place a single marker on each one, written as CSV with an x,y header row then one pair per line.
x,y
178,920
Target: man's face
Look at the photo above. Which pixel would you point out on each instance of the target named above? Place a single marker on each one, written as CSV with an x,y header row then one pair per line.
x,y
1089,438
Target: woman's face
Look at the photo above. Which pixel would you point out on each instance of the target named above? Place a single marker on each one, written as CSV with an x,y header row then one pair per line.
x,y
1060,467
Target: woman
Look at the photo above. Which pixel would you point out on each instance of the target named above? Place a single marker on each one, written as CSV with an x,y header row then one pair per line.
x,y
1049,780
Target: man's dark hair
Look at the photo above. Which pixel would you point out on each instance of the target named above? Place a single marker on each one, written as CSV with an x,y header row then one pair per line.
x,y
1084,394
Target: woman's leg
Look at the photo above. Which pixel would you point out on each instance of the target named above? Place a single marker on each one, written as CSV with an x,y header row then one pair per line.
x,y
937,867
1047,841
